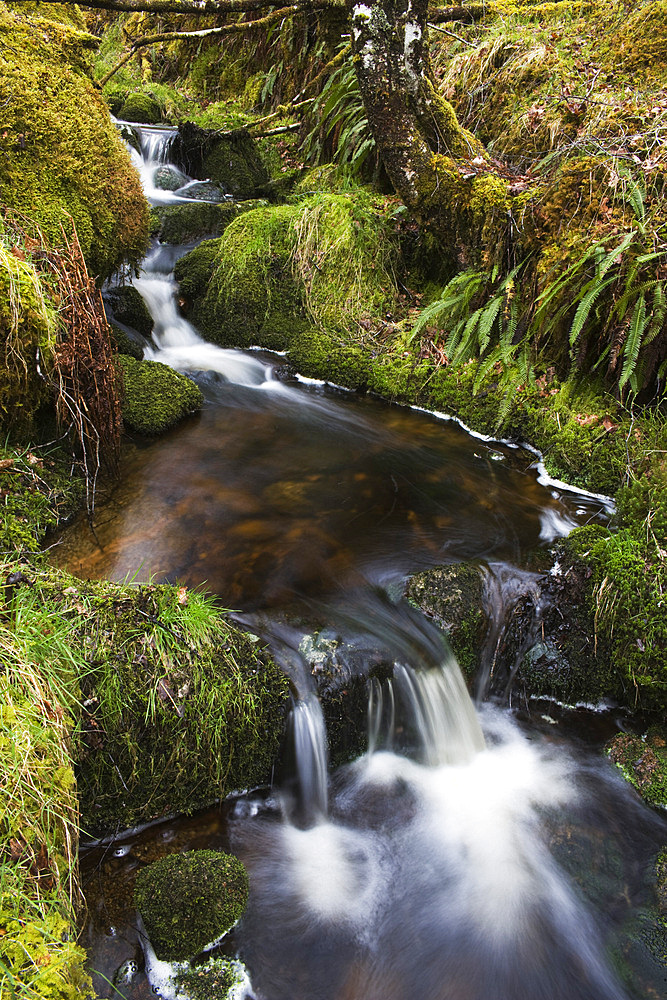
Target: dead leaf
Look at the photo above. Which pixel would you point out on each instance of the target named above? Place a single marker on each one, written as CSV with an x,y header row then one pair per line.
x,y
609,424
182,595
6,463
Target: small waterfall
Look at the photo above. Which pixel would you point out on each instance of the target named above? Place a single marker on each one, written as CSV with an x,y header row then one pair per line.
x,y
443,714
310,745
176,342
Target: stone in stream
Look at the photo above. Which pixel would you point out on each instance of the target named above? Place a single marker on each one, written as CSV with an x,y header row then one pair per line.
x,y
188,901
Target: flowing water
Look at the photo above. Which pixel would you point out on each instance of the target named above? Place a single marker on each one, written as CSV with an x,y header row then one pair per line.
x,y
469,854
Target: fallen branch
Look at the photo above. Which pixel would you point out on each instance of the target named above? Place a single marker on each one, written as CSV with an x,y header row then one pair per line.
x,y
224,29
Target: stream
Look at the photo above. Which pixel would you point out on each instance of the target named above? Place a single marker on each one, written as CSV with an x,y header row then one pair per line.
x,y
473,852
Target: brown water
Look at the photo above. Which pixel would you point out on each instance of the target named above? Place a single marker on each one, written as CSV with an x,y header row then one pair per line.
x,y
277,492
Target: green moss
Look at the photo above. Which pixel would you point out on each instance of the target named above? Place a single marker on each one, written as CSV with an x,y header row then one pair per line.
x,y
279,271
188,900
28,322
251,296
182,707
128,307
179,224
643,762
210,981
232,161
155,397
62,156
642,39
140,107
452,597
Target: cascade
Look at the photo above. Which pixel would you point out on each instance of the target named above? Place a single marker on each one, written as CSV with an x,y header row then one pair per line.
x,y
460,857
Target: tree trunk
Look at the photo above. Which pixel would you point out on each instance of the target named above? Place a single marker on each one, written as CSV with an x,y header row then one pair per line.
x,y
437,168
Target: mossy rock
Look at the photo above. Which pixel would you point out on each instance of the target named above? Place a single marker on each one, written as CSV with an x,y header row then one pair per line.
x,y
452,597
141,108
279,271
155,397
178,224
642,761
128,307
63,157
125,344
213,980
232,161
182,708
187,901
250,295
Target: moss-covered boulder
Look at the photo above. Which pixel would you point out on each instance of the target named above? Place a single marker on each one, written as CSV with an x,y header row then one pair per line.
x,y
323,263
187,901
452,597
249,292
178,224
155,397
642,761
233,161
140,107
128,307
62,157
180,707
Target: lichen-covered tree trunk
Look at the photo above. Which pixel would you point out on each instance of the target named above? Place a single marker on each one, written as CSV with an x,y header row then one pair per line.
x,y
438,168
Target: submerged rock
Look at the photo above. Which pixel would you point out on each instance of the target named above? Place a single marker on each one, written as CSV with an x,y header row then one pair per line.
x,y
187,901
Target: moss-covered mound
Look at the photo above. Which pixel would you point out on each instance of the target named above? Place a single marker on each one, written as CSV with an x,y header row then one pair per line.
x,y
181,707
62,157
140,107
643,762
279,270
189,900
155,397
28,325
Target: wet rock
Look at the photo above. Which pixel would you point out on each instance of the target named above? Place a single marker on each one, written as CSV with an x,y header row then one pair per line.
x,y
452,597
168,178
204,191
127,306
177,224
126,343
232,161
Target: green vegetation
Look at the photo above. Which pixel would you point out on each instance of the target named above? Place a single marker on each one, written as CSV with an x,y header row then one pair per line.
x,y
29,324
182,708
63,162
40,898
189,900
642,761
155,397
185,223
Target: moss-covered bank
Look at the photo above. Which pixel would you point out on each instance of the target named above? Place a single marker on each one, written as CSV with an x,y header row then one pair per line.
x,y
62,158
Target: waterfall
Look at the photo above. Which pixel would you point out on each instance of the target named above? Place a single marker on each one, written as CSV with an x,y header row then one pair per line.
x,y
310,745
